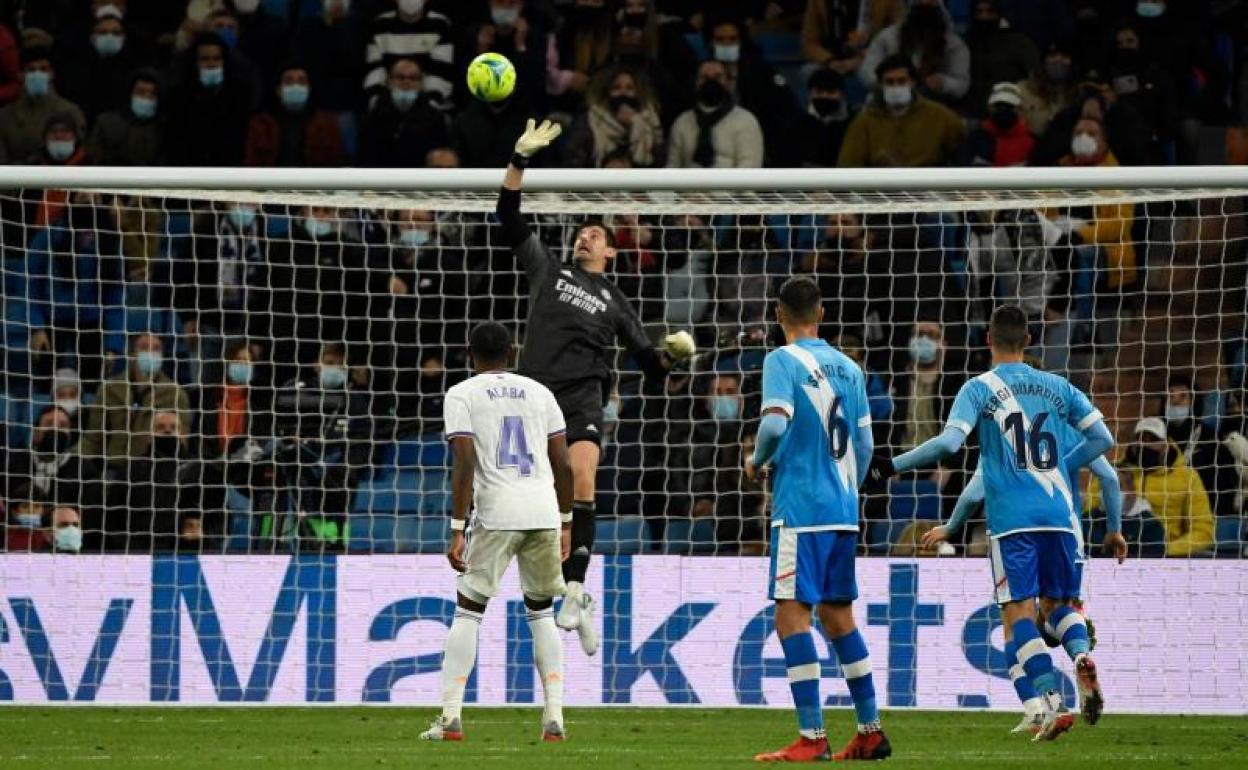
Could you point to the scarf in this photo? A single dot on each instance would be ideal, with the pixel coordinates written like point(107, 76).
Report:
point(610, 134)
point(232, 420)
point(704, 154)
point(238, 254)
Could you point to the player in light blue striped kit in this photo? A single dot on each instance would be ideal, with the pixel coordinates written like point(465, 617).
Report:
point(1032, 520)
point(816, 435)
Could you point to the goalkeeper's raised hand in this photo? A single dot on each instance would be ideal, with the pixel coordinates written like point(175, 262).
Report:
point(537, 137)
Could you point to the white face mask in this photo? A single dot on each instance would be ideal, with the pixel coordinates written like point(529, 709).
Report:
point(246, 6)
point(505, 17)
point(728, 53)
point(70, 405)
point(1083, 145)
point(1177, 412)
point(897, 97)
point(411, 7)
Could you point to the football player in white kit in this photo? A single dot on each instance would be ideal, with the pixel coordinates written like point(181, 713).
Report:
point(497, 424)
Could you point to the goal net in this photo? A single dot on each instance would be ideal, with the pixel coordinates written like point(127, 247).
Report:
point(222, 402)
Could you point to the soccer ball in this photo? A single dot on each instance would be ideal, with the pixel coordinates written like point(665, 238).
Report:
point(491, 77)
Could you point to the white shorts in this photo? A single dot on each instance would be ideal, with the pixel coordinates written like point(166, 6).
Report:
point(490, 552)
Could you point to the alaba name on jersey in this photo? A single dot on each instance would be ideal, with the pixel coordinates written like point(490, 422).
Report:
point(510, 419)
point(823, 392)
point(1019, 412)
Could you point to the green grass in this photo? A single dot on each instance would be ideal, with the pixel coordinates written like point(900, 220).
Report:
point(602, 738)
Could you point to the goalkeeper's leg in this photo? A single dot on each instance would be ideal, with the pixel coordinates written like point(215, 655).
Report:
point(577, 611)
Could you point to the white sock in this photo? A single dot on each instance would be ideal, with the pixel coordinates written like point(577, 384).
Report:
point(458, 659)
point(575, 591)
point(1033, 707)
point(548, 654)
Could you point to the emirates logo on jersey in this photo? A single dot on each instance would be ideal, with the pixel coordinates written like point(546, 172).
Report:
point(575, 296)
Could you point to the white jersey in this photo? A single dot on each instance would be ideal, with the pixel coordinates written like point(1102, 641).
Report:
point(510, 418)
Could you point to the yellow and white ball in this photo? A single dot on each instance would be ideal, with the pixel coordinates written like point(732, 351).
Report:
point(491, 77)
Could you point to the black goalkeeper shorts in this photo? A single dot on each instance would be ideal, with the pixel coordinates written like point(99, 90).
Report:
point(581, 404)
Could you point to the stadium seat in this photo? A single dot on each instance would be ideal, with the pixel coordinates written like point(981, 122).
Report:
point(909, 500)
point(688, 536)
point(1227, 535)
point(425, 535)
point(372, 533)
point(427, 450)
point(621, 535)
point(401, 493)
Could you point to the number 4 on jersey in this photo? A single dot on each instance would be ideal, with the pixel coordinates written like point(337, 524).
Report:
point(513, 447)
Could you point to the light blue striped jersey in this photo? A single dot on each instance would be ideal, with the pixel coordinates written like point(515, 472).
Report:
point(823, 392)
point(1019, 412)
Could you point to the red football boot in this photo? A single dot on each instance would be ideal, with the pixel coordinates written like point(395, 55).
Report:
point(866, 746)
point(801, 750)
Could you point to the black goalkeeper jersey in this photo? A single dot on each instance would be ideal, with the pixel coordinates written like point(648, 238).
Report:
point(575, 317)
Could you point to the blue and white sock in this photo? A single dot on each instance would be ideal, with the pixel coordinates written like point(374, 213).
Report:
point(1033, 655)
point(1032, 704)
point(851, 650)
point(1066, 624)
point(803, 666)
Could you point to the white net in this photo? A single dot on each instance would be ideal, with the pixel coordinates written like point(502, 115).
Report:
point(209, 377)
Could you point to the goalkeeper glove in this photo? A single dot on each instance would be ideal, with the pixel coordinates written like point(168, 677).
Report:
point(537, 137)
point(879, 473)
point(680, 345)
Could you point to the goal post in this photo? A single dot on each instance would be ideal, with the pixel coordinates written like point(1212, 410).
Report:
point(189, 323)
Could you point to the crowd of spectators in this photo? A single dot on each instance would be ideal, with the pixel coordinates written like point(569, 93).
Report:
point(182, 363)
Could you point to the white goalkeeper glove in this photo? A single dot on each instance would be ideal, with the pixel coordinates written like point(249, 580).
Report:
point(680, 345)
point(537, 137)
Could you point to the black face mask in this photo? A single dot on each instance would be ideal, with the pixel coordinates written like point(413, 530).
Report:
point(828, 108)
point(981, 27)
point(165, 446)
point(926, 17)
point(636, 20)
point(1150, 458)
point(616, 102)
point(1004, 119)
point(712, 93)
point(54, 442)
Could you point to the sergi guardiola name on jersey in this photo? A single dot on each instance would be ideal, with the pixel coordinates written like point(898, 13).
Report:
point(577, 297)
point(999, 398)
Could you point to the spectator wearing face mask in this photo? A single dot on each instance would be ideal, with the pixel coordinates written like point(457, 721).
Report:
point(898, 128)
point(147, 498)
point(293, 132)
point(320, 288)
point(53, 469)
point(1050, 88)
point(814, 138)
point(1002, 138)
point(67, 392)
point(1106, 227)
point(23, 529)
point(1124, 130)
point(332, 43)
point(1165, 486)
point(210, 108)
point(716, 133)
point(1141, 84)
point(622, 115)
point(96, 78)
point(118, 424)
point(718, 487)
point(753, 83)
point(238, 407)
point(1202, 447)
point(220, 281)
point(661, 58)
point(999, 53)
point(61, 147)
point(923, 393)
point(23, 123)
point(415, 31)
point(67, 530)
point(134, 133)
point(925, 37)
point(402, 126)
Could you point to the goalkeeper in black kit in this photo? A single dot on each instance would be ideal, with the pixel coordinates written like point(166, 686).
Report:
point(576, 315)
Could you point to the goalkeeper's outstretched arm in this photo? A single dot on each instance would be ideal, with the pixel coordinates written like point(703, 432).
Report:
point(533, 139)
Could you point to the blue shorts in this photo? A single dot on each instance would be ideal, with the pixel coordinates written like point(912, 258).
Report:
point(1029, 565)
point(813, 567)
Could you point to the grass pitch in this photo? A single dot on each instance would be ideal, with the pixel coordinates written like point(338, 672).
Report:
point(598, 738)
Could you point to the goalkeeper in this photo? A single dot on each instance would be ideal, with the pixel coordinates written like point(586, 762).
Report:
point(576, 314)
